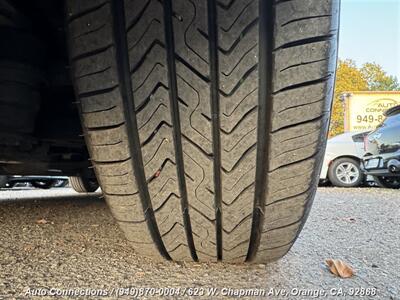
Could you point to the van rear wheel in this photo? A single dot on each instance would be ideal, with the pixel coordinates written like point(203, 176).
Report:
point(206, 121)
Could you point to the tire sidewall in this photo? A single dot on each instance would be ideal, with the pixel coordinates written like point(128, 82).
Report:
point(3, 181)
point(332, 172)
point(82, 184)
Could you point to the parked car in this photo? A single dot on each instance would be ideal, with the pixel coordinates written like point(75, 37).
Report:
point(81, 184)
point(42, 182)
point(382, 158)
point(343, 155)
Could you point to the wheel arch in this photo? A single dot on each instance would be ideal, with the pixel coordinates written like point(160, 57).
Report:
point(344, 156)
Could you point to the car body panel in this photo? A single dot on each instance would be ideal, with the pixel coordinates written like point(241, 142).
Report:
point(383, 145)
point(381, 168)
point(386, 137)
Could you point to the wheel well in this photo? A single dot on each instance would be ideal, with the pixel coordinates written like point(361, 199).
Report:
point(40, 130)
point(344, 156)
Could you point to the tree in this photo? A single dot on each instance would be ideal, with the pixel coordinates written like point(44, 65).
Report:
point(377, 78)
point(348, 78)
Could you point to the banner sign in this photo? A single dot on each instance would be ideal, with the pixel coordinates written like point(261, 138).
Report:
point(364, 110)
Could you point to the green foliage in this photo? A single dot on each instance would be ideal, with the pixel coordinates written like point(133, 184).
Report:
point(377, 79)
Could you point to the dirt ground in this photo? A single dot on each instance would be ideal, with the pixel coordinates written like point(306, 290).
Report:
point(77, 246)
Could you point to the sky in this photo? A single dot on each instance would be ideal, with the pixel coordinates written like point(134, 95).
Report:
point(370, 32)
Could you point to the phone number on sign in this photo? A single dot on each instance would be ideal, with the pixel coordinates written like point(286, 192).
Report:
point(369, 118)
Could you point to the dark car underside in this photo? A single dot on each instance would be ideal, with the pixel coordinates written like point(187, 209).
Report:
point(40, 132)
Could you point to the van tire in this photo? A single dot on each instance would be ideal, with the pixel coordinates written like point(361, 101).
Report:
point(206, 133)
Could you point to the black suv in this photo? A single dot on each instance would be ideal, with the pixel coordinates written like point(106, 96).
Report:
point(382, 159)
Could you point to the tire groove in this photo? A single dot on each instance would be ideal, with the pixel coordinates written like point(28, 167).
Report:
point(299, 105)
point(136, 20)
point(227, 74)
point(305, 18)
point(304, 84)
point(240, 102)
point(244, 117)
point(175, 118)
point(99, 110)
point(91, 53)
point(122, 60)
point(265, 109)
point(144, 32)
point(298, 123)
point(86, 11)
point(97, 92)
point(238, 195)
point(214, 98)
point(91, 31)
point(241, 158)
point(154, 132)
point(93, 73)
point(147, 99)
point(306, 41)
point(226, 29)
point(228, 51)
point(240, 82)
point(156, 152)
point(105, 127)
point(156, 42)
point(227, 6)
point(304, 64)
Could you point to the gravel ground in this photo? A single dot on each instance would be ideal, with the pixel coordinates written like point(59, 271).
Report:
point(80, 246)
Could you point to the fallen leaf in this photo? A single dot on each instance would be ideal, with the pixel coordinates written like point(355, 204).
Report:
point(339, 268)
point(139, 274)
point(41, 221)
point(28, 248)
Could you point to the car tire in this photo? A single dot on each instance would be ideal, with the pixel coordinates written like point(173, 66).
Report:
point(83, 184)
point(349, 165)
point(388, 182)
point(206, 133)
point(3, 181)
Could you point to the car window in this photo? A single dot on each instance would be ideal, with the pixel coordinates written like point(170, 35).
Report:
point(391, 121)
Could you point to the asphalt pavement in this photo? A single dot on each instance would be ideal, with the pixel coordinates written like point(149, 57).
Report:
point(59, 242)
